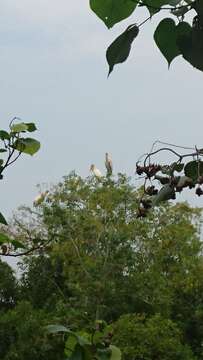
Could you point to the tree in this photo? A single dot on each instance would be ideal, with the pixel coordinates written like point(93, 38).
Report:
point(101, 261)
point(8, 287)
point(173, 37)
point(150, 338)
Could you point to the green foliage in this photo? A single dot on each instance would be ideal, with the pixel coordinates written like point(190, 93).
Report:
point(23, 336)
point(8, 287)
point(173, 38)
point(88, 345)
point(143, 277)
point(12, 145)
point(157, 338)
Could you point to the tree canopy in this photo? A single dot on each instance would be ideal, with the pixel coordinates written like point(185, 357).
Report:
point(104, 279)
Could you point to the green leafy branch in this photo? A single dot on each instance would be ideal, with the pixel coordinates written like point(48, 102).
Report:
point(173, 38)
point(92, 345)
point(13, 144)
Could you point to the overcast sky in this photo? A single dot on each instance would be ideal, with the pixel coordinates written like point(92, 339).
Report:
point(53, 72)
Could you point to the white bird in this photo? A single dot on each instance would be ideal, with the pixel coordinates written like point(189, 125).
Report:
point(40, 198)
point(95, 171)
point(108, 164)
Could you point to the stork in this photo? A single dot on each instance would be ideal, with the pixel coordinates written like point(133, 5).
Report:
point(96, 172)
point(108, 164)
point(40, 198)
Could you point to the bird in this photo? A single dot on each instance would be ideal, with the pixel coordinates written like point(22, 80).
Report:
point(40, 198)
point(108, 164)
point(96, 172)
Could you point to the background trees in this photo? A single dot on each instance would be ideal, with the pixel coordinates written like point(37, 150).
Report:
point(143, 277)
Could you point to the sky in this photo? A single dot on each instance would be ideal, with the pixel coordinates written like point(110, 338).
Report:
point(53, 72)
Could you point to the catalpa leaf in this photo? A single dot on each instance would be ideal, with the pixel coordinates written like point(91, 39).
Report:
point(119, 50)
point(165, 37)
point(113, 11)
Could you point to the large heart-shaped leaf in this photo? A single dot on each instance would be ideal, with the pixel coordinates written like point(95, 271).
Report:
point(165, 37)
point(113, 11)
point(119, 50)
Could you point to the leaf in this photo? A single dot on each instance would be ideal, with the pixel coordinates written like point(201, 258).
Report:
point(77, 354)
point(119, 50)
point(174, 2)
point(115, 353)
point(54, 329)
point(31, 127)
point(27, 145)
point(177, 167)
point(166, 193)
point(3, 150)
point(154, 6)
point(17, 244)
point(191, 46)
point(4, 135)
point(17, 128)
point(165, 37)
point(4, 239)
point(113, 11)
point(194, 169)
point(2, 219)
point(70, 345)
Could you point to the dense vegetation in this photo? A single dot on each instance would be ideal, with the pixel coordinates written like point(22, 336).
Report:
point(104, 278)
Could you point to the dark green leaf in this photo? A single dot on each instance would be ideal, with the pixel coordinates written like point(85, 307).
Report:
point(113, 11)
point(177, 167)
point(31, 127)
point(4, 135)
point(2, 219)
point(194, 169)
point(119, 50)
point(154, 6)
point(3, 150)
point(165, 37)
point(27, 145)
point(191, 45)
